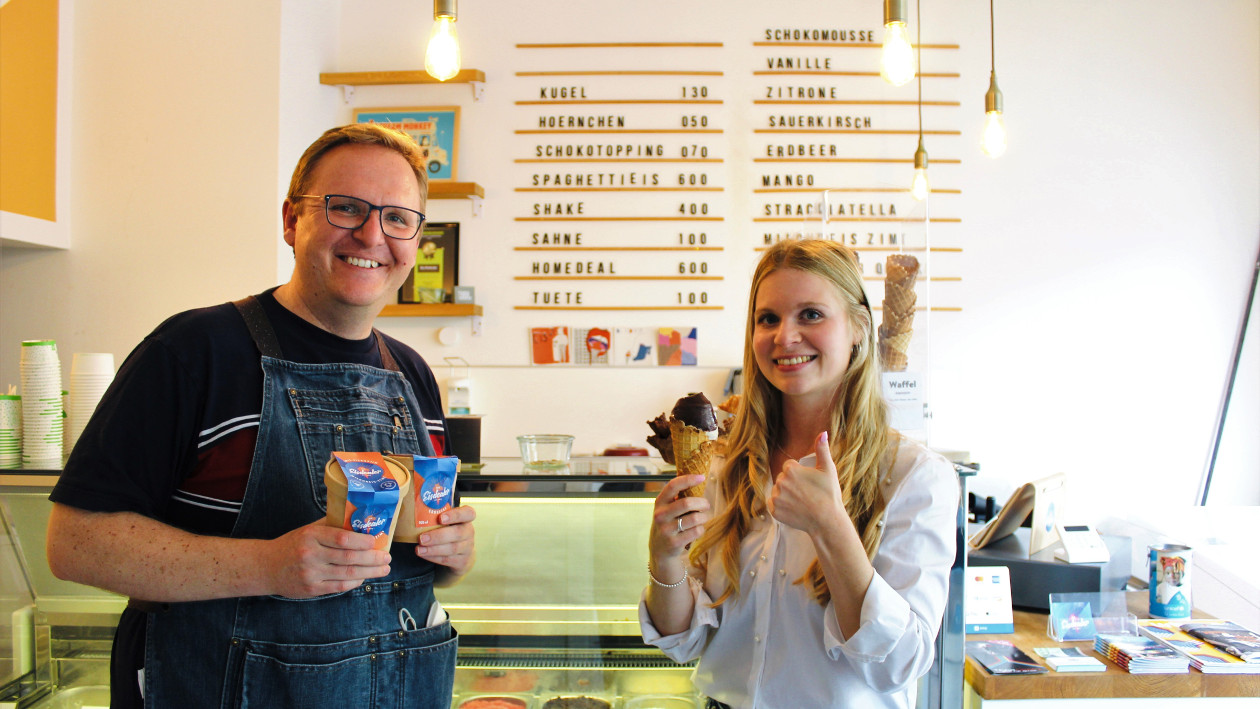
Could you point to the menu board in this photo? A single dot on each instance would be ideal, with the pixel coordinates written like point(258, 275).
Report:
point(648, 175)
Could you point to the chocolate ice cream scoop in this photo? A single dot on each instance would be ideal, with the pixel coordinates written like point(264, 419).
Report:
point(696, 411)
point(660, 438)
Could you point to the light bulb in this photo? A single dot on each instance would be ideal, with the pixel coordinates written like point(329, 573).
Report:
point(441, 59)
point(897, 62)
point(919, 188)
point(993, 138)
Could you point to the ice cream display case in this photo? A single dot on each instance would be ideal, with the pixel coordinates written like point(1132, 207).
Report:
point(548, 618)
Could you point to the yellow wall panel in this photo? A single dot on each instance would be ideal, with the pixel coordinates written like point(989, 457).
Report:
point(28, 108)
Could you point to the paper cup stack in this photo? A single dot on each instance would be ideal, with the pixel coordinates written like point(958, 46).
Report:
point(90, 375)
point(900, 271)
point(10, 431)
point(43, 418)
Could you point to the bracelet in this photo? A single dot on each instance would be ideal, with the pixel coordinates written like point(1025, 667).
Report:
point(676, 584)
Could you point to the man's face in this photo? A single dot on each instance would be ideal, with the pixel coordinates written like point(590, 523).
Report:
point(338, 268)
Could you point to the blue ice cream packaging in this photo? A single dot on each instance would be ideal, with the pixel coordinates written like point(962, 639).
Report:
point(366, 494)
point(432, 493)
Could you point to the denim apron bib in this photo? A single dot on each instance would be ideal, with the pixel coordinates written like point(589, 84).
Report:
point(358, 648)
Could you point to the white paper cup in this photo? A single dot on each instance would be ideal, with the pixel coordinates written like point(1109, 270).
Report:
point(92, 363)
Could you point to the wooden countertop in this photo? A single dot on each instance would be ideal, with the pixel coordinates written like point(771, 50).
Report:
point(1030, 632)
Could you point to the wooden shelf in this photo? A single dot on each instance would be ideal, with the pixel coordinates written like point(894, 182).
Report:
point(380, 78)
point(347, 80)
point(430, 310)
point(445, 189)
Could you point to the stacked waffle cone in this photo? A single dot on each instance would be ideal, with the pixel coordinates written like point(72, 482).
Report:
point(693, 452)
point(900, 271)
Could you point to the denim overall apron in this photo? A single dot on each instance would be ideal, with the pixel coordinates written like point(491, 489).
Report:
point(358, 648)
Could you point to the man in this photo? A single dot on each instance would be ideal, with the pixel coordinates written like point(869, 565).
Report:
point(197, 488)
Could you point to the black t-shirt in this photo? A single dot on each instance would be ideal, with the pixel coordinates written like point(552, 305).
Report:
point(173, 437)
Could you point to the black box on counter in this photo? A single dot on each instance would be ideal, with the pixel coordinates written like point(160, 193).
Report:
point(1034, 578)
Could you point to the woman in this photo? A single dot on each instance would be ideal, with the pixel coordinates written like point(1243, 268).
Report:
point(819, 585)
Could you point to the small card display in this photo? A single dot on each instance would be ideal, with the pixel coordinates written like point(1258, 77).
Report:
point(988, 607)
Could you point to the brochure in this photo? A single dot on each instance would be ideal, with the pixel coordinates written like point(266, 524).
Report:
point(1070, 659)
point(1002, 658)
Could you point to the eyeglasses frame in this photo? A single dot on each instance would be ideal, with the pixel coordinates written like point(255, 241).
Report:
point(380, 213)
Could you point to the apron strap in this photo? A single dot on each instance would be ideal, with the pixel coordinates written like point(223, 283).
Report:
point(259, 326)
point(387, 359)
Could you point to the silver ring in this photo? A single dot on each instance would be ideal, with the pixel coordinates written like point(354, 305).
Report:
point(680, 529)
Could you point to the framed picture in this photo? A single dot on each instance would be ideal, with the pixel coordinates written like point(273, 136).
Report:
point(37, 72)
point(436, 273)
point(434, 128)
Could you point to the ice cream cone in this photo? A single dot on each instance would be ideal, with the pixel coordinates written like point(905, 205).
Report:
point(893, 360)
point(900, 267)
point(899, 341)
point(693, 452)
point(900, 300)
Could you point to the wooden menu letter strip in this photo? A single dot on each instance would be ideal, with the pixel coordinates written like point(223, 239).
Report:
point(618, 278)
point(839, 102)
point(859, 219)
point(848, 45)
point(619, 248)
point(618, 307)
point(627, 219)
point(629, 101)
point(620, 72)
point(623, 189)
point(634, 160)
point(773, 72)
point(620, 131)
point(851, 131)
point(889, 161)
point(614, 45)
point(849, 189)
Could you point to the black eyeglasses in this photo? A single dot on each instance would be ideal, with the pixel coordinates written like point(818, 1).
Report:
point(348, 212)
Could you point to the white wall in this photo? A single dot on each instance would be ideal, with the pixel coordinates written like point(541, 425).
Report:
point(1106, 254)
point(173, 177)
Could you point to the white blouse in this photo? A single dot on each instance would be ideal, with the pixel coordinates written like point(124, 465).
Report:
point(774, 646)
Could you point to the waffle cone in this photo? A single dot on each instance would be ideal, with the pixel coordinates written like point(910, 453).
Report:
point(693, 452)
point(893, 360)
point(900, 300)
point(901, 267)
point(899, 341)
point(896, 321)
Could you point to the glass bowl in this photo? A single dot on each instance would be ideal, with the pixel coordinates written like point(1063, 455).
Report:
point(545, 450)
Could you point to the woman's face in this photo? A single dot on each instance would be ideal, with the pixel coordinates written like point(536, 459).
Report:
point(801, 336)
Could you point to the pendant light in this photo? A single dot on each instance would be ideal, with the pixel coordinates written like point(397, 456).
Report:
point(993, 137)
point(441, 59)
point(896, 64)
point(920, 188)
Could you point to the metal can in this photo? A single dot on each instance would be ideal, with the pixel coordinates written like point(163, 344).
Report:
point(1170, 581)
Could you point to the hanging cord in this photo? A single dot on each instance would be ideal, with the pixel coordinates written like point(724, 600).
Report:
point(992, 58)
point(918, 50)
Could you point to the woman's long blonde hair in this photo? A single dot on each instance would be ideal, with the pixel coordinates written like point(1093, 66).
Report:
point(858, 431)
